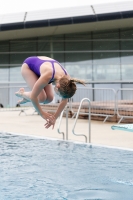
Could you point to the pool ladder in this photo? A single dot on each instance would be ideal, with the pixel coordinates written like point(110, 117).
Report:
point(87, 139)
point(59, 124)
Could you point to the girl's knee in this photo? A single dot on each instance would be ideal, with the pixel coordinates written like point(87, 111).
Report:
point(50, 99)
point(45, 99)
point(42, 98)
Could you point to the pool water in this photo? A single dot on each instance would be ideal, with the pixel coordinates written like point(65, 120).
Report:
point(41, 169)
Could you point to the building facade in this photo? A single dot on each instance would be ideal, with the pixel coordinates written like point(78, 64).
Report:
point(95, 45)
point(94, 56)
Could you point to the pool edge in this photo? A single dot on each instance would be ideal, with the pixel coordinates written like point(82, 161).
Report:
point(69, 141)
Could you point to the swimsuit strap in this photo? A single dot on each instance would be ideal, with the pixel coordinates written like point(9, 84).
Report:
point(61, 66)
point(52, 61)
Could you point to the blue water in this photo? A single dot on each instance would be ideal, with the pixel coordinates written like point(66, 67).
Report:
point(42, 169)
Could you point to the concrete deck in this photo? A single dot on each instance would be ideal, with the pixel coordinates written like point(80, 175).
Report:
point(101, 133)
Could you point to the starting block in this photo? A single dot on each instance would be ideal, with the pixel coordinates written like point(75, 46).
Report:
point(125, 127)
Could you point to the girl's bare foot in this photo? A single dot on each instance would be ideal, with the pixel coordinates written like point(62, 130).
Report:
point(20, 92)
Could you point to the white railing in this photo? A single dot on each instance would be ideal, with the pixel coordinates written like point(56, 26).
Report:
point(103, 101)
point(87, 138)
point(9, 101)
point(124, 103)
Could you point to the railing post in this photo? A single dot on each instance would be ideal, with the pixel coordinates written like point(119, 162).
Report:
point(89, 116)
point(58, 129)
point(66, 122)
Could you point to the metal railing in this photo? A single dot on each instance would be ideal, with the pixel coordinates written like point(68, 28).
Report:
point(59, 123)
point(9, 101)
point(75, 122)
point(89, 120)
point(124, 103)
point(121, 103)
point(103, 101)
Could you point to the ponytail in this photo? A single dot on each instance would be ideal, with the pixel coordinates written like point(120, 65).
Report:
point(75, 80)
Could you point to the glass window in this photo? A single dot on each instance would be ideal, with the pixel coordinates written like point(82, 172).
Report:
point(106, 45)
point(57, 37)
point(15, 74)
point(4, 58)
point(4, 73)
point(23, 45)
point(58, 51)
point(4, 46)
point(4, 61)
point(78, 42)
point(45, 54)
point(60, 57)
point(106, 58)
point(99, 55)
point(78, 36)
point(127, 72)
point(106, 72)
point(105, 41)
point(110, 34)
point(4, 53)
point(127, 54)
point(78, 57)
point(126, 34)
point(127, 46)
point(79, 65)
point(81, 71)
point(126, 58)
point(21, 50)
point(43, 44)
point(58, 46)
point(77, 45)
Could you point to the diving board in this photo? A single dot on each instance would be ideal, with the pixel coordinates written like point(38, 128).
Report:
point(125, 127)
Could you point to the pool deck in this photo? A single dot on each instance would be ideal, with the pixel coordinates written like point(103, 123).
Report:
point(33, 124)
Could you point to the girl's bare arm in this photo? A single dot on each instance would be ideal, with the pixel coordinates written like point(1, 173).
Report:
point(60, 108)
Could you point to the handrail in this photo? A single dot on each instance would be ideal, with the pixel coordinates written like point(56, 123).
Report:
point(104, 104)
point(60, 119)
point(58, 129)
point(89, 118)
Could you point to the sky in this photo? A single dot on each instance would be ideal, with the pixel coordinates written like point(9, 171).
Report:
point(16, 6)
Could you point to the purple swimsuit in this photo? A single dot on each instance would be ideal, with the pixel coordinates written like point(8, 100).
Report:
point(34, 64)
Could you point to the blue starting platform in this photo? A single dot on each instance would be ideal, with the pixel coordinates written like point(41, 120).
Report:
point(123, 127)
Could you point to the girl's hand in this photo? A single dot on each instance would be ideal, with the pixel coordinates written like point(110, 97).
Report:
point(50, 119)
point(48, 124)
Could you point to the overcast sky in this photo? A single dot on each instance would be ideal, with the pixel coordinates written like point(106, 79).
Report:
point(15, 6)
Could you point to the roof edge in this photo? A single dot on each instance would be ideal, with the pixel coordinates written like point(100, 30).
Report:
point(66, 21)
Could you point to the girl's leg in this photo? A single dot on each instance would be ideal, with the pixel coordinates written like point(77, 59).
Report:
point(30, 77)
point(19, 94)
point(49, 93)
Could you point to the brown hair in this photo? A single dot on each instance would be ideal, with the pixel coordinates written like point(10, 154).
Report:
point(68, 87)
